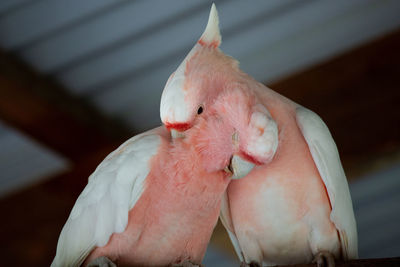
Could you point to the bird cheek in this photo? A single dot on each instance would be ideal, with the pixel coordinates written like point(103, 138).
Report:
point(262, 141)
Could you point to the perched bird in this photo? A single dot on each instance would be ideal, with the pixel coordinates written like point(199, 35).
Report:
point(155, 200)
point(295, 206)
point(152, 202)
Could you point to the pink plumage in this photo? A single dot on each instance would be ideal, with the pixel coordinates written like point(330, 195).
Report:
point(155, 200)
point(152, 202)
point(178, 209)
point(296, 205)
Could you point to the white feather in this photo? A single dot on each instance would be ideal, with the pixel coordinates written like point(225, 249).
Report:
point(212, 34)
point(226, 220)
point(103, 206)
point(326, 157)
point(174, 107)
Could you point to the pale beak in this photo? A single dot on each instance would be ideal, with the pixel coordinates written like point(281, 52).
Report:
point(177, 134)
point(238, 167)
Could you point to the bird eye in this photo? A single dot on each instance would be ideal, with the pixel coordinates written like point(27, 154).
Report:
point(200, 110)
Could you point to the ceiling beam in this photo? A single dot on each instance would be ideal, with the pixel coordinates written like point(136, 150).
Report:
point(357, 95)
point(33, 218)
point(41, 108)
point(358, 263)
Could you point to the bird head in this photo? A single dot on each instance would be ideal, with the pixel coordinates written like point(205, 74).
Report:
point(186, 92)
point(209, 84)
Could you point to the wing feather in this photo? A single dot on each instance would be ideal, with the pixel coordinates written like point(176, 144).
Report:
point(226, 220)
point(103, 206)
point(326, 157)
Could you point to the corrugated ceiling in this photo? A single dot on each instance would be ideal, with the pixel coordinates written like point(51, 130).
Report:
point(118, 54)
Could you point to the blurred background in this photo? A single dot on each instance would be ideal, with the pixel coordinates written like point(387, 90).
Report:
point(77, 78)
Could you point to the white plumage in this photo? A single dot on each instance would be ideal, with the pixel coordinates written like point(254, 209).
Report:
point(326, 158)
point(102, 207)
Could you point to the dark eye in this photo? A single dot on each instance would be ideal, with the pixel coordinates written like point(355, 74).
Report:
point(200, 110)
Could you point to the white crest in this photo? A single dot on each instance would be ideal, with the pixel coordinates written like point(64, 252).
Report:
point(173, 106)
point(211, 35)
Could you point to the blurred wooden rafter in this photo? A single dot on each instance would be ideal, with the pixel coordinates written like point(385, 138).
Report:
point(41, 108)
point(357, 94)
point(389, 262)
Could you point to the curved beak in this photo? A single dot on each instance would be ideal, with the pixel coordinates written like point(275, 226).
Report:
point(239, 167)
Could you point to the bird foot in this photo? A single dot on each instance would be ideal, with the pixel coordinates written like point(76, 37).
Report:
point(324, 259)
point(102, 262)
point(251, 264)
point(187, 263)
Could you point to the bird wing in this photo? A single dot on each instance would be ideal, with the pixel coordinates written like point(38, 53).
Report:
point(103, 206)
point(326, 157)
point(226, 220)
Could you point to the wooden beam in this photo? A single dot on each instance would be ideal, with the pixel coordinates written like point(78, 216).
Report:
point(32, 219)
point(359, 263)
point(357, 94)
point(41, 108)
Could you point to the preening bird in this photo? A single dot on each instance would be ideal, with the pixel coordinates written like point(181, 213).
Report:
point(295, 206)
point(152, 202)
point(155, 200)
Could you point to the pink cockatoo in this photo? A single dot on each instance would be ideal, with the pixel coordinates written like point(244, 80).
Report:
point(155, 200)
point(295, 206)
